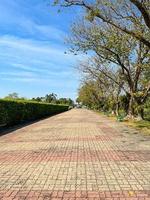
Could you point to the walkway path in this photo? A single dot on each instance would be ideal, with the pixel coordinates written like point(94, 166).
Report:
point(76, 155)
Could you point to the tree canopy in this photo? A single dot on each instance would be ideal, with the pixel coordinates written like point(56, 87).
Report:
point(125, 15)
point(118, 33)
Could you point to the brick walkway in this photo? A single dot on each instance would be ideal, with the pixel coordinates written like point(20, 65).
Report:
point(76, 155)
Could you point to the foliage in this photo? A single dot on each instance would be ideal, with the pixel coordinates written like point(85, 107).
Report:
point(52, 98)
point(48, 98)
point(65, 101)
point(118, 34)
point(121, 59)
point(14, 96)
point(95, 97)
point(17, 111)
point(131, 17)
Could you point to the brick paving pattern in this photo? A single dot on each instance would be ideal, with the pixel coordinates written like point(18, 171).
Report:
point(76, 155)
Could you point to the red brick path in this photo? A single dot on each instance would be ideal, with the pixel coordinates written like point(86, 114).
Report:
point(76, 155)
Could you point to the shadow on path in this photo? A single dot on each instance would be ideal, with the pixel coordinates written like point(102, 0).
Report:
point(6, 130)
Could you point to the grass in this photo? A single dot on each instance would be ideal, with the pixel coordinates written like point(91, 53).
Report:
point(142, 126)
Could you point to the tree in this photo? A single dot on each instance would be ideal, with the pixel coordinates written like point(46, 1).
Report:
point(66, 101)
point(131, 17)
point(38, 99)
point(88, 95)
point(51, 98)
point(105, 88)
point(143, 7)
point(118, 52)
point(118, 32)
point(13, 95)
point(93, 96)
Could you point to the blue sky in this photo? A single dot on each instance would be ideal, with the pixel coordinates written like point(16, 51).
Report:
point(32, 58)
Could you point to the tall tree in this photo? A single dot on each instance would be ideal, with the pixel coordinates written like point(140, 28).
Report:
point(118, 52)
point(51, 98)
point(106, 83)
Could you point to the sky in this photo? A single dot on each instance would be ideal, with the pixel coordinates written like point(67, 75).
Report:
point(32, 50)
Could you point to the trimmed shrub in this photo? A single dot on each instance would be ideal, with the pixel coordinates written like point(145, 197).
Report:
point(17, 111)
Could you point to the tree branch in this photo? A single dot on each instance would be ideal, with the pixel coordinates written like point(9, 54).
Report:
point(143, 11)
point(107, 20)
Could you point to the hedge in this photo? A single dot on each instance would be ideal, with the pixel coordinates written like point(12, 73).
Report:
point(13, 112)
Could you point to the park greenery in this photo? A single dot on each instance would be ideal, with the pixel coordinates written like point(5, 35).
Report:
point(15, 111)
point(48, 98)
point(116, 36)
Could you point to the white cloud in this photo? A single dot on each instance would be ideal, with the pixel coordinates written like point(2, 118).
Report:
point(41, 31)
point(34, 46)
point(17, 15)
point(31, 60)
point(19, 79)
point(23, 74)
point(28, 63)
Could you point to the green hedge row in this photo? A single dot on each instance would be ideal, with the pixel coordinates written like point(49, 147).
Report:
point(14, 112)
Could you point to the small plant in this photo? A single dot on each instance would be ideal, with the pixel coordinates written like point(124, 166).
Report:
point(120, 118)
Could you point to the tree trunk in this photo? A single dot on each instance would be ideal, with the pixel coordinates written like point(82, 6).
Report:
point(130, 114)
point(117, 108)
point(113, 112)
point(141, 114)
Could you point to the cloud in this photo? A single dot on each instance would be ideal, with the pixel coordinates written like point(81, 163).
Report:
point(16, 74)
point(36, 51)
point(43, 32)
point(32, 58)
point(31, 29)
point(35, 61)
point(19, 79)
point(34, 46)
point(22, 22)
